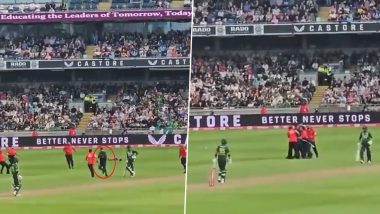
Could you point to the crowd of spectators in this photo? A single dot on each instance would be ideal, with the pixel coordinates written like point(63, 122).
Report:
point(44, 47)
point(348, 11)
point(44, 107)
point(47, 107)
point(161, 106)
point(171, 44)
point(363, 86)
point(134, 4)
point(31, 7)
point(254, 11)
point(249, 81)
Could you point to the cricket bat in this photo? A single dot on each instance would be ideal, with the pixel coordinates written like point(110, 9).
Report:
point(357, 157)
point(211, 178)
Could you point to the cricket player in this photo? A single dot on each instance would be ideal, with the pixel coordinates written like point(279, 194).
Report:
point(11, 155)
point(3, 163)
point(15, 176)
point(91, 159)
point(292, 143)
point(311, 138)
point(131, 156)
point(365, 140)
point(222, 155)
point(182, 156)
point(68, 150)
point(103, 161)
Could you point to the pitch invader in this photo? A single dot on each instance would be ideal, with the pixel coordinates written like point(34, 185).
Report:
point(365, 142)
point(131, 157)
point(222, 156)
point(312, 133)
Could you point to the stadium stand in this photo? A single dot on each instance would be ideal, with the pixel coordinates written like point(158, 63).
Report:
point(46, 107)
point(172, 44)
point(231, 82)
point(46, 47)
point(241, 11)
point(273, 79)
point(143, 106)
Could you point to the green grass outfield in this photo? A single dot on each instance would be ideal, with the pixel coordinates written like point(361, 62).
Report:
point(261, 180)
point(50, 187)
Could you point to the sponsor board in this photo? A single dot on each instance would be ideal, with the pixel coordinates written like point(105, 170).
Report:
point(236, 121)
point(180, 62)
point(287, 29)
point(95, 140)
point(204, 31)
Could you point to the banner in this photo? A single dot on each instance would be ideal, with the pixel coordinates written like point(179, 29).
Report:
point(95, 140)
point(182, 62)
point(235, 121)
point(239, 30)
point(204, 31)
point(95, 16)
point(288, 29)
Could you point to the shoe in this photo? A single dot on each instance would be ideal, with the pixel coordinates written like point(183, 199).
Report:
point(362, 161)
point(222, 181)
point(15, 193)
point(368, 161)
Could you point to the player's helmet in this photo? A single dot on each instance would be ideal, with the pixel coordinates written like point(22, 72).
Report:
point(128, 147)
point(365, 128)
point(224, 141)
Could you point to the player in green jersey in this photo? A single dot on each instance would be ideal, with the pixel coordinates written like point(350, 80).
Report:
point(365, 140)
point(131, 156)
point(16, 184)
point(222, 156)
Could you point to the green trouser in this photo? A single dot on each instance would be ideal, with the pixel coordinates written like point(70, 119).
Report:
point(222, 162)
point(16, 182)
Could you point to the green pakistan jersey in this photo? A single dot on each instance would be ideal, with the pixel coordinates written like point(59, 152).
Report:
point(222, 151)
point(365, 137)
point(131, 155)
point(14, 168)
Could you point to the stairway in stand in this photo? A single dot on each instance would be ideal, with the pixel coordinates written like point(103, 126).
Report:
point(104, 5)
point(324, 13)
point(317, 97)
point(85, 120)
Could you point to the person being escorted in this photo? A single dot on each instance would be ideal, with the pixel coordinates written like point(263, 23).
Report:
point(305, 145)
point(131, 157)
point(311, 138)
point(3, 163)
point(292, 143)
point(103, 161)
point(222, 156)
point(365, 140)
point(182, 156)
point(68, 150)
point(91, 159)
